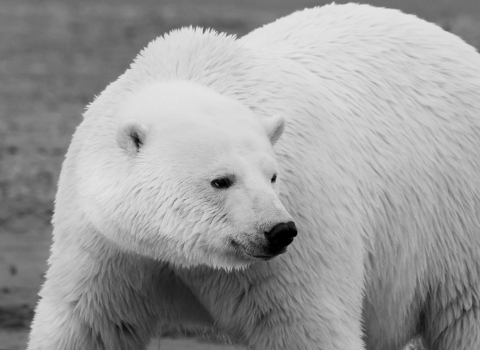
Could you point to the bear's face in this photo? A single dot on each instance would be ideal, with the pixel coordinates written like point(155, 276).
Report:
point(197, 180)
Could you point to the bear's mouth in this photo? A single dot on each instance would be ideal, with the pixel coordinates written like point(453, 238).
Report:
point(252, 253)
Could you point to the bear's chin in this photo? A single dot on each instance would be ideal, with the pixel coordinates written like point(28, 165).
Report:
point(231, 255)
point(222, 260)
point(235, 258)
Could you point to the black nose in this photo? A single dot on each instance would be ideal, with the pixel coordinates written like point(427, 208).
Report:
point(281, 235)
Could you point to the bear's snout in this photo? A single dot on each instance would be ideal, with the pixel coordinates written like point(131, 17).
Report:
point(280, 236)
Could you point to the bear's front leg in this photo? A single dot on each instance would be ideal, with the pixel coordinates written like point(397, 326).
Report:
point(287, 303)
point(96, 299)
point(105, 299)
point(310, 312)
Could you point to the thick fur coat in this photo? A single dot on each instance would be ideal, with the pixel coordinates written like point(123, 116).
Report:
point(378, 166)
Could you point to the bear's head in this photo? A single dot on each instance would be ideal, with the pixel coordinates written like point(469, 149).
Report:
point(188, 176)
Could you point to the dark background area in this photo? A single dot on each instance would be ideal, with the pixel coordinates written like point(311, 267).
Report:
point(55, 56)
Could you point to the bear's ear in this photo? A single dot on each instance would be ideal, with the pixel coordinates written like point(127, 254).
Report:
point(131, 136)
point(274, 127)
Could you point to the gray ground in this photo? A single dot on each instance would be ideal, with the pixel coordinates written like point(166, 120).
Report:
point(54, 57)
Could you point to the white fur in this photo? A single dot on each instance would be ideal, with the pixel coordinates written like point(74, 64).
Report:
point(378, 165)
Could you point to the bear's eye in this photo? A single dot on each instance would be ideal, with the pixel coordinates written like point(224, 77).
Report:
point(221, 183)
point(274, 178)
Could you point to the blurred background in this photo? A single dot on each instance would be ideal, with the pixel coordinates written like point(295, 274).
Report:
point(55, 56)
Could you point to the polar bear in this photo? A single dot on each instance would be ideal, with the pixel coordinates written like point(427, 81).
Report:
point(312, 185)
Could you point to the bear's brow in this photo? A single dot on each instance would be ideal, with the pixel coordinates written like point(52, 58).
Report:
point(223, 174)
